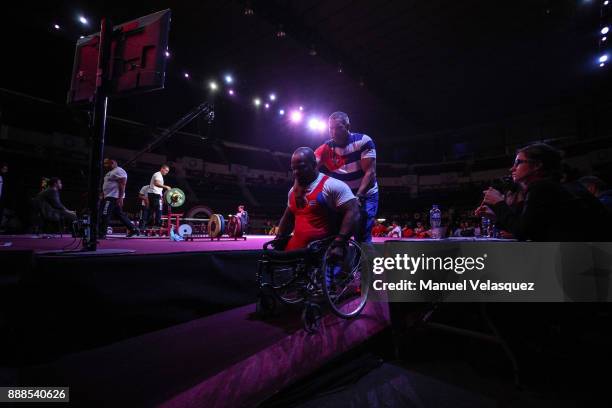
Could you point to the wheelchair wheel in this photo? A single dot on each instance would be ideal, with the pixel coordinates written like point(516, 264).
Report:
point(311, 317)
point(346, 284)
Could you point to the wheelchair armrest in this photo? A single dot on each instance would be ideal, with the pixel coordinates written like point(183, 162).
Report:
point(277, 244)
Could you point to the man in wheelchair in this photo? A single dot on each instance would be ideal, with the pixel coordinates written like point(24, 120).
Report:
point(318, 207)
point(319, 261)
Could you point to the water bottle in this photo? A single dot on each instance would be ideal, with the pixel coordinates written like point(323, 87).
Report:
point(435, 220)
point(485, 227)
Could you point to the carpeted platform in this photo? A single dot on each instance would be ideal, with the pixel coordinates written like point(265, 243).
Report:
point(230, 359)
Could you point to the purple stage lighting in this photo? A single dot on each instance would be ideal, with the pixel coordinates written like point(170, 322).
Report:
point(186, 75)
point(605, 30)
point(231, 92)
point(267, 105)
point(56, 26)
point(296, 116)
point(281, 112)
point(229, 79)
point(83, 20)
point(317, 125)
point(272, 97)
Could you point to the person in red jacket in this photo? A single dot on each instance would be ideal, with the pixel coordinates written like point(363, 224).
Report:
point(318, 206)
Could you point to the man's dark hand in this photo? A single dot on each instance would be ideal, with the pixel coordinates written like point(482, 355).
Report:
point(337, 251)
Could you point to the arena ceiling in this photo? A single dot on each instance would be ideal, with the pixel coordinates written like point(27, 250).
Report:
point(408, 67)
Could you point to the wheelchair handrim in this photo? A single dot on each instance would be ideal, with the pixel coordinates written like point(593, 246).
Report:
point(356, 304)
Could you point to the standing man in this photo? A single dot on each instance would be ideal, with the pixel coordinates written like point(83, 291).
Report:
point(113, 191)
point(156, 189)
point(351, 157)
point(244, 218)
point(143, 202)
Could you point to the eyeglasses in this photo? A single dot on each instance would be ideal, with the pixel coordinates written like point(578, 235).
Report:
point(518, 162)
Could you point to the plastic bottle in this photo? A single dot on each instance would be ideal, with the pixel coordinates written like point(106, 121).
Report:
point(485, 227)
point(435, 220)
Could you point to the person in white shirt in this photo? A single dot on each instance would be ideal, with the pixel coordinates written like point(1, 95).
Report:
point(156, 189)
point(113, 192)
point(143, 202)
point(396, 231)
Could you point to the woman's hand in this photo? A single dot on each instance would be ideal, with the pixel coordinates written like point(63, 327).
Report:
point(492, 197)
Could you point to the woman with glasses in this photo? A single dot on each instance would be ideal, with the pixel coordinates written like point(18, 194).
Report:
point(551, 211)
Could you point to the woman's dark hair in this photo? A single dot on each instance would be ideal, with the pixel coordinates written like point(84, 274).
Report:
point(548, 157)
point(52, 181)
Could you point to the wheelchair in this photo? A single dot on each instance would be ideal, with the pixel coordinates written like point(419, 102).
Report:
point(311, 278)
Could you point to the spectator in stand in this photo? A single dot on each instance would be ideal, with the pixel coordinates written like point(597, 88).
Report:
point(268, 227)
point(420, 231)
point(396, 230)
point(407, 232)
point(461, 229)
point(379, 229)
point(597, 187)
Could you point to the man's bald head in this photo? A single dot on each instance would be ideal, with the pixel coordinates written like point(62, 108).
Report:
point(109, 164)
point(307, 153)
point(304, 165)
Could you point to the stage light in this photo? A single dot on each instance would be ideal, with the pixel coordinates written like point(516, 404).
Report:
point(272, 97)
point(604, 38)
point(82, 36)
point(602, 64)
point(603, 58)
point(280, 33)
point(167, 53)
point(56, 26)
point(301, 108)
point(605, 30)
point(257, 101)
point(213, 86)
point(186, 75)
point(83, 20)
point(606, 3)
point(317, 125)
point(296, 116)
point(267, 106)
point(281, 112)
point(229, 79)
point(231, 92)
